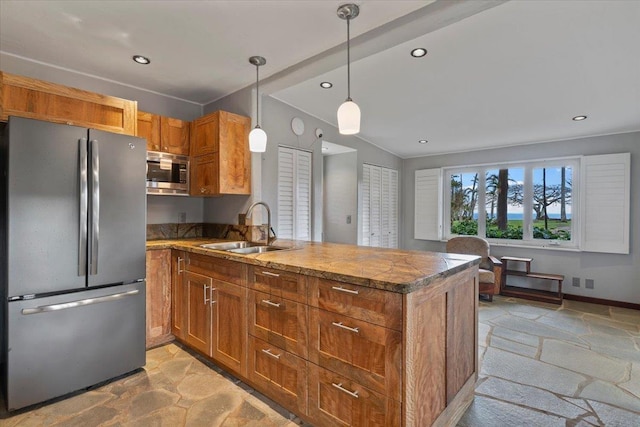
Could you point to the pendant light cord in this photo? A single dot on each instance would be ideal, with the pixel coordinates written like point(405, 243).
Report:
point(257, 96)
point(348, 62)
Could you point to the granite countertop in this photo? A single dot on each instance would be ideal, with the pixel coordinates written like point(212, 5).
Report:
point(393, 270)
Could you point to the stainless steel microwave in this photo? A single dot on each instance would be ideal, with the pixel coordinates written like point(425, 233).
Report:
point(167, 174)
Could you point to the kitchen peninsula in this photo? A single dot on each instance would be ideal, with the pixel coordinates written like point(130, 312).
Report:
point(337, 334)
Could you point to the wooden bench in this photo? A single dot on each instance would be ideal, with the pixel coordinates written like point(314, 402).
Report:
point(528, 293)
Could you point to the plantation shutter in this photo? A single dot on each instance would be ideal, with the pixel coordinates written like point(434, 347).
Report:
point(294, 194)
point(428, 204)
point(606, 182)
point(379, 206)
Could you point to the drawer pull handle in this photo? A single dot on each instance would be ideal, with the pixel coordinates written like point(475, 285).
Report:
point(180, 270)
point(211, 289)
point(271, 303)
point(268, 351)
point(348, 328)
point(341, 289)
point(268, 273)
point(349, 392)
point(206, 300)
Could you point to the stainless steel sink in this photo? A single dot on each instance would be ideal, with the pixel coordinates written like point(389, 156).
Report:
point(225, 246)
point(255, 249)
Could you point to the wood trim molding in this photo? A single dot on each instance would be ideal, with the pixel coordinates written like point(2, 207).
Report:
point(601, 301)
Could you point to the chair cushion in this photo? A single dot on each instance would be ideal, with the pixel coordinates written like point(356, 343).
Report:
point(486, 276)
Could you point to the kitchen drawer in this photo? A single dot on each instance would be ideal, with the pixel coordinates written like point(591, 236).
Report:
point(279, 283)
point(216, 268)
point(279, 321)
point(376, 306)
point(337, 400)
point(366, 353)
point(279, 374)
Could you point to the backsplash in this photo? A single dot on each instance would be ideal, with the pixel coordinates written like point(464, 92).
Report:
point(215, 231)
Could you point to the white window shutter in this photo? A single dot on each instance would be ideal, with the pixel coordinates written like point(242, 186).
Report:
point(375, 208)
point(294, 194)
point(366, 205)
point(303, 196)
point(606, 182)
point(428, 204)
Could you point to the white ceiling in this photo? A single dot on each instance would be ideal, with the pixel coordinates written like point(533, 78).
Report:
point(512, 74)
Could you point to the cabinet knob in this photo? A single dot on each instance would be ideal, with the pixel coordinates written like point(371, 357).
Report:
point(203, 190)
point(166, 148)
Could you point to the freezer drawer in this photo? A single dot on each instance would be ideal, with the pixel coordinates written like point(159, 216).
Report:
point(64, 343)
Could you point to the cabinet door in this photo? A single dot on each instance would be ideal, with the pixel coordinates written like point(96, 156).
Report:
point(366, 353)
point(198, 332)
point(149, 128)
point(174, 136)
point(205, 134)
point(228, 325)
point(279, 374)
point(158, 297)
point(234, 154)
point(335, 400)
point(204, 175)
point(178, 296)
point(280, 322)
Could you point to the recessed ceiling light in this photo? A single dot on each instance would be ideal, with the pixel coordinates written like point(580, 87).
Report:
point(141, 59)
point(579, 118)
point(326, 85)
point(418, 52)
point(422, 141)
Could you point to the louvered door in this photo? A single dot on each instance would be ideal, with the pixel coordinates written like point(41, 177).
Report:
point(294, 193)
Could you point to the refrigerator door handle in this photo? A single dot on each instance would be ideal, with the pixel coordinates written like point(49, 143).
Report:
point(95, 207)
point(82, 235)
point(74, 304)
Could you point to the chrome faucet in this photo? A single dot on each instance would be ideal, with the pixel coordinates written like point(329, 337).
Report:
point(248, 215)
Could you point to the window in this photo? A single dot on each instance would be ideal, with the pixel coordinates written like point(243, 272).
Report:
point(294, 194)
point(528, 203)
point(579, 203)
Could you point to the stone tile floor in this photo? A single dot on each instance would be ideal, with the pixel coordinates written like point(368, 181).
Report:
point(547, 365)
point(541, 365)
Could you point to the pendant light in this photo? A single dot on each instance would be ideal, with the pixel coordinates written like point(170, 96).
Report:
point(257, 137)
point(348, 112)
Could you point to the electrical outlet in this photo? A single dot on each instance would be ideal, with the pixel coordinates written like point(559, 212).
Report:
point(242, 219)
point(588, 283)
point(182, 217)
point(348, 219)
point(576, 282)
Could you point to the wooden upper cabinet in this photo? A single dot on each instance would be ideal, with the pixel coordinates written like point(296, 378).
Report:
point(221, 160)
point(164, 134)
point(149, 128)
point(38, 99)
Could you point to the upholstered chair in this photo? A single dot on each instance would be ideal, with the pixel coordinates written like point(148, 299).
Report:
point(490, 267)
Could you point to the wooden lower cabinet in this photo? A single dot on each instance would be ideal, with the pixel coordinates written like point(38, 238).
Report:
point(178, 296)
point(279, 374)
point(198, 315)
point(228, 325)
point(158, 297)
point(280, 322)
point(370, 354)
point(336, 400)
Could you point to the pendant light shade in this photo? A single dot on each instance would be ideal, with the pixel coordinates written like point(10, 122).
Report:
point(348, 112)
point(258, 140)
point(257, 137)
point(349, 118)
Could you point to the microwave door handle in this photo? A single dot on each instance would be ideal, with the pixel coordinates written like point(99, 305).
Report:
point(95, 208)
point(82, 235)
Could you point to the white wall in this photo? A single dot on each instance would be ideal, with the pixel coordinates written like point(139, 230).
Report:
point(340, 198)
point(616, 277)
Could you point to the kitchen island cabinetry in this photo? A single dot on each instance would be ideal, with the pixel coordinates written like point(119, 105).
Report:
point(158, 306)
point(220, 157)
point(37, 99)
point(164, 134)
point(344, 335)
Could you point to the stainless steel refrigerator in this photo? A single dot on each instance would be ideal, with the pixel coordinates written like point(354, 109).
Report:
point(73, 255)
